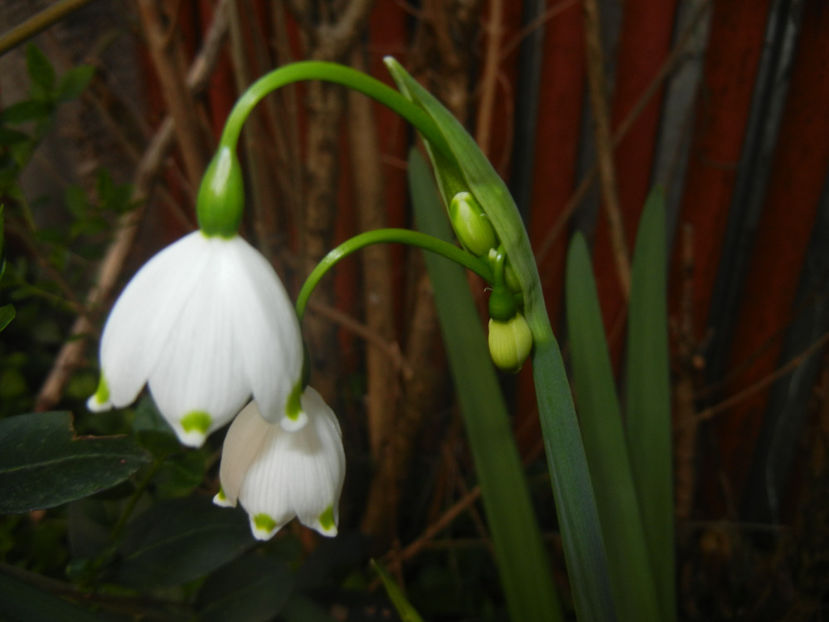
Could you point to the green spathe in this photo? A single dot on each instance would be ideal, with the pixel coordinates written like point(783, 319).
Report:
point(221, 195)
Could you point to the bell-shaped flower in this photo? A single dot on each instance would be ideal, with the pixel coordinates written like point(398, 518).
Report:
point(206, 324)
point(277, 474)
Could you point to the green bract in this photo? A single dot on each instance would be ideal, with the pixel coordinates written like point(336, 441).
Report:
point(221, 195)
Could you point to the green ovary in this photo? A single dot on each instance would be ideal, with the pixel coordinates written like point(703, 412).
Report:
point(196, 421)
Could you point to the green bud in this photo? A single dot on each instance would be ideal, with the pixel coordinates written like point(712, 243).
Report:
point(510, 342)
point(471, 224)
point(221, 196)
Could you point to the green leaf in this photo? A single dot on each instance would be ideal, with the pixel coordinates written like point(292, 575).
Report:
point(567, 463)
point(42, 465)
point(631, 576)
point(74, 82)
point(28, 110)
point(519, 549)
point(6, 316)
point(41, 72)
point(249, 589)
point(648, 404)
point(300, 608)
point(20, 601)
point(404, 608)
point(180, 540)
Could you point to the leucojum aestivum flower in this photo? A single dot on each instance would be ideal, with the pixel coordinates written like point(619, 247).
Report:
point(208, 327)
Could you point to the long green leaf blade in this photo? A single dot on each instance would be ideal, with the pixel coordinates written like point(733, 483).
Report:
point(567, 463)
point(604, 441)
point(521, 555)
point(648, 403)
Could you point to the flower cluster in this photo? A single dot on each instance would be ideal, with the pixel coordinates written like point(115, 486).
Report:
point(207, 325)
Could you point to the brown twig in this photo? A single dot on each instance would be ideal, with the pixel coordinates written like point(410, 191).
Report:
point(71, 354)
point(604, 143)
point(621, 131)
point(489, 75)
point(167, 61)
point(790, 366)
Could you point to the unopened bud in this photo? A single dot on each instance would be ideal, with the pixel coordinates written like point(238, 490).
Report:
point(510, 342)
point(471, 224)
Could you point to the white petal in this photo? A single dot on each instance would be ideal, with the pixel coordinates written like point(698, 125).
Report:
point(142, 317)
point(198, 370)
point(267, 332)
point(297, 473)
point(242, 443)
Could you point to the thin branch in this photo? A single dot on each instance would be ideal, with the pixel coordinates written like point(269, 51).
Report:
point(489, 78)
point(38, 23)
point(167, 62)
point(738, 397)
point(586, 183)
point(604, 143)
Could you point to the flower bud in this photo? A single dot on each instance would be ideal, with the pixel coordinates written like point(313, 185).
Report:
point(510, 342)
point(471, 224)
point(221, 195)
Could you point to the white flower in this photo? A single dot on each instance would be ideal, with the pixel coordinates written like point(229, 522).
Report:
point(278, 474)
point(207, 324)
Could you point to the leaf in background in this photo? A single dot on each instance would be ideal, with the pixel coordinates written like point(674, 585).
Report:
point(22, 602)
point(41, 72)
point(180, 540)
point(631, 576)
point(648, 404)
point(253, 588)
point(74, 82)
point(6, 316)
point(42, 465)
point(404, 608)
point(569, 474)
point(522, 558)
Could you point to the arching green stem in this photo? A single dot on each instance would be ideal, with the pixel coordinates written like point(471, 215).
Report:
point(378, 236)
point(337, 74)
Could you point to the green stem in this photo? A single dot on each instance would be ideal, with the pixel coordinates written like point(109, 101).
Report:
point(378, 236)
point(337, 74)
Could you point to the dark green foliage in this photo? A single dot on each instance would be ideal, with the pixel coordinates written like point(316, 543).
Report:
point(42, 465)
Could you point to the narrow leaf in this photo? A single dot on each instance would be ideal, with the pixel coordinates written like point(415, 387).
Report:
point(569, 473)
point(520, 552)
point(648, 405)
point(42, 465)
point(404, 608)
point(631, 577)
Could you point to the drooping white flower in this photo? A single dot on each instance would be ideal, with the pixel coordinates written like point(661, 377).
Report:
point(278, 474)
point(206, 324)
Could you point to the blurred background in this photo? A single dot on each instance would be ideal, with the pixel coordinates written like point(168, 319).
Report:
point(582, 106)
